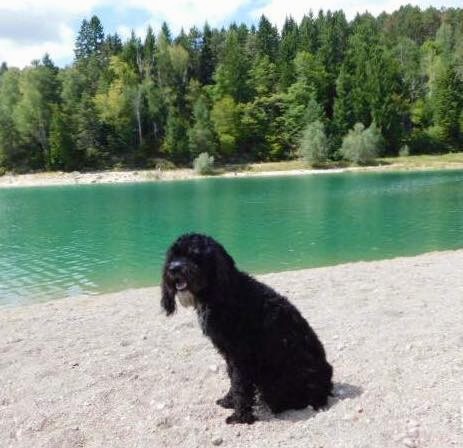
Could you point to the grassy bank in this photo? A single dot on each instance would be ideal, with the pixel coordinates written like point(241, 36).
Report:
point(450, 160)
point(289, 167)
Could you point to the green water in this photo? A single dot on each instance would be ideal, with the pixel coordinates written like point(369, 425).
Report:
point(67, 241)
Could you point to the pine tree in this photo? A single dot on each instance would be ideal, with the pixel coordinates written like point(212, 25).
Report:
point(263, 76)
point(61, 145)
point(232, 74)
point(175, 143)
point(202, 137)
point(447, 105)
point(225, 116)
point(308, 35)
point(313, 145)
point(165, 33)
point(90, 38)
point(267, 39)
point(288, 50)
point(207, 58)
point(149, 53)
point(13, 154)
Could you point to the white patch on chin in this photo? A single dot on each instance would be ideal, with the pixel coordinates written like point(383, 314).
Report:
point(186, 298)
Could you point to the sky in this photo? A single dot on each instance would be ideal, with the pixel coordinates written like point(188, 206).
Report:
point(31, 28)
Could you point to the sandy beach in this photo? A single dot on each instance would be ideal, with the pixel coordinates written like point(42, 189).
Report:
point(133, 176)
point(112, 371)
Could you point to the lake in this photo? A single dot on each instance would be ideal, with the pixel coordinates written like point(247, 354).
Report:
point(67, 241)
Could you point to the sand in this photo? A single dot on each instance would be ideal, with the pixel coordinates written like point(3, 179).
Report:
point(112, 371)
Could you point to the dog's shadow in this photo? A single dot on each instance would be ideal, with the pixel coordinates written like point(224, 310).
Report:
point(341, 391)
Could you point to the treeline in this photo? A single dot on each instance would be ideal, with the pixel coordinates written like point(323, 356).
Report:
point(240, 94)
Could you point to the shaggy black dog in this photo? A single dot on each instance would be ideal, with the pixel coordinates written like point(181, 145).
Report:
point(268, 346)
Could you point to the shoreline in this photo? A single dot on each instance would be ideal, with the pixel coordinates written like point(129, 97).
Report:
point(59, 178)
point(112, 370)
point(261, 275)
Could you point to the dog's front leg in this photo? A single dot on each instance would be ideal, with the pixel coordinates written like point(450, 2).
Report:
point(227, 400)
point(242, 388)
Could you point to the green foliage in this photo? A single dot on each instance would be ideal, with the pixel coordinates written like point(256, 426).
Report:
point(61, 144)
point(225, 116)
point(313, 146)
point(12, 151)
point(288, 49)
point(202, 137)
point(267, 39)
point(362, 145)
point(263, 76)
point(447, 99)
point(176, 139)
point(239, 93)
point(204, 164)
point(89, 39)
point(232, 74)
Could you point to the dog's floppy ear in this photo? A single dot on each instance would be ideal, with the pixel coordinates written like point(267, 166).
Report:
point(225, 267)
point(168, 294)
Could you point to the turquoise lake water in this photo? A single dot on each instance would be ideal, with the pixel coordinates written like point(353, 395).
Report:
point(60, 242)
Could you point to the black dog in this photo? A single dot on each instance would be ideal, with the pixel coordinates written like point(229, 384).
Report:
point(268, 346)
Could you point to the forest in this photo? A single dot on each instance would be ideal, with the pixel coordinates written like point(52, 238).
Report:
point(241, 93)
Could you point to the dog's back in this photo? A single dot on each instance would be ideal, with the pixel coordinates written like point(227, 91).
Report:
point(285, 356)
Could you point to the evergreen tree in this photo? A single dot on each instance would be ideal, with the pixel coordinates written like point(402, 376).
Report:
point(61, 145)
point(263, 76)
point(149, 53)
point(447, 105)
point(176, 139)
point(313, 146)
point(32, 114)
point(207, 59)
point(13, 153)
point(288, 50)
point(368, 85)
point(165, 33)
point(308, 35)
point(145, 98)
point(267, 39)
point(202, 137)
point(90, 38)
point(232, 74)
point(225, 116)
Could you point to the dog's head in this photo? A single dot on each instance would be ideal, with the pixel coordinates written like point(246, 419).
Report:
point(196, 267)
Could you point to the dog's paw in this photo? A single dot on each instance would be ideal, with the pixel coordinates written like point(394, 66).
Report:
point(226, 402)
point(241, 418)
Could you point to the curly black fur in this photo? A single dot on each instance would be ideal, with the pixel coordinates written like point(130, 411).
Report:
point(268, 346)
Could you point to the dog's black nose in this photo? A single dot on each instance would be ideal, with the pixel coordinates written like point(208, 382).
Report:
point(175, 266)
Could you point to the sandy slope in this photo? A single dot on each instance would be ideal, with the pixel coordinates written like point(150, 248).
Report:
point(112, 371)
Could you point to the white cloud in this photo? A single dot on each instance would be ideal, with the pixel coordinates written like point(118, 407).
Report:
point(186, 13)
point(33, 28)
point(277, 10)
point(40, 26)
point(30, 28)
point(72, 7)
